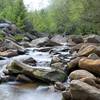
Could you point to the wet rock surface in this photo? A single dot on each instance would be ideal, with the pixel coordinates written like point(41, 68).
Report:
point(44, 74)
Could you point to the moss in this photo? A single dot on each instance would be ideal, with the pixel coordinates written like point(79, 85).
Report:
point(18, 37)
point(2, 36)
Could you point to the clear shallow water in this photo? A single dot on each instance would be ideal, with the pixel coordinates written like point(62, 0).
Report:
point(12, 91)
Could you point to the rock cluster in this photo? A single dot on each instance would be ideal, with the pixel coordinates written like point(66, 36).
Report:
point(84, 70)
point(26, 69)
point(78, 61)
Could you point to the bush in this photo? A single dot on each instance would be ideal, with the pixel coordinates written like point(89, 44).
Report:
point(18, 37)
point(2, 36)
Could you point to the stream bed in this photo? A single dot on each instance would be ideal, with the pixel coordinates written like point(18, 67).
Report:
point(29, 91)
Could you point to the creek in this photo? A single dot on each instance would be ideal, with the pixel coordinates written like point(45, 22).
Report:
point(30, 91)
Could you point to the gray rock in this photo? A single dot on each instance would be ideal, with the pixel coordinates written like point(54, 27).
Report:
point(9, 44)
point(59, 86)
point(43, 74)
point(92, 39)
point(58, 65)
point(76, 39)
point(30, 61)
point(59, 39)
point(93, 56)
point(23, 78)
point(42, 42)
point(25, 44)
point(39, 41)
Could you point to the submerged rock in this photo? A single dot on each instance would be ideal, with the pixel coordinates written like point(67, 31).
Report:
point(43, 74)
point(2, 58)
point(30, 61)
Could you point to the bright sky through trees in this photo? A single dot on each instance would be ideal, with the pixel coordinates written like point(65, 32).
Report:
point(36, 4)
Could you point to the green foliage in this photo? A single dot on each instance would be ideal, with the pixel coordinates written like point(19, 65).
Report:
point(2, 36)
point(13, 10)
point(18, 37)
point(72, 16)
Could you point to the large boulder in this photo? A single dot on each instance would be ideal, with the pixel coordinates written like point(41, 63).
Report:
point(84, 45)
point(73, 65)
point(9, 44)
point(88, 50)
point(76, 39)
point(43, 74)
point(92, 39)
point(78, 74)
point(90, 65)
point(59, 39)
point(39, 41)
point(45, 41)
point(82, 91)
point(8, 27)
point(77, 47)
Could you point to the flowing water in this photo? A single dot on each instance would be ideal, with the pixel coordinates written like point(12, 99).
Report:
point(26, 91)
point(17, 91)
